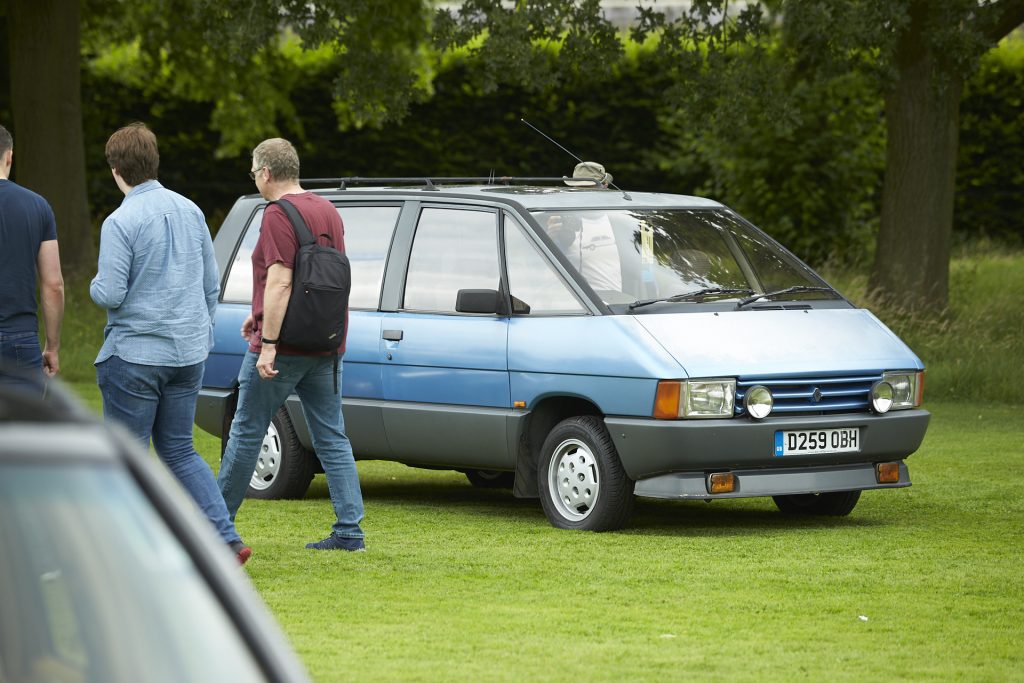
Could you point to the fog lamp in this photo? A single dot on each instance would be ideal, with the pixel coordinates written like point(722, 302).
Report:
point(721, 482)
point(758, 402)
point(882, 395)
point(887, 472)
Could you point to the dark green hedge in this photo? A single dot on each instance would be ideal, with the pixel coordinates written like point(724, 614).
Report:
point(990, 169)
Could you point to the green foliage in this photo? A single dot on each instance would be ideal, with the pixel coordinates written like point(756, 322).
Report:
point(195, 48)
point(990, 169)
point(513, 42)
point(810, 178)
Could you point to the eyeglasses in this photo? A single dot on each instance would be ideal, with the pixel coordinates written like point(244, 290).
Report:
point(252, 174)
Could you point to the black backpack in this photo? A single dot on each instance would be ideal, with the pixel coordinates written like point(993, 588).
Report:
point(321, 282)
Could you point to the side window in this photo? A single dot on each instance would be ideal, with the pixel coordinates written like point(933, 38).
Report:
point(531, 278)
point(453, 249)
point(368, 232)
point(238, 288)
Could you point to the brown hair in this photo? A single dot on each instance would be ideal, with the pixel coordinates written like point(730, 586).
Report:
point(133, 152)
point(279, 157)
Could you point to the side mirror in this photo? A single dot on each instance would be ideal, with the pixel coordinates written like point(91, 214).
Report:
point(478, 301)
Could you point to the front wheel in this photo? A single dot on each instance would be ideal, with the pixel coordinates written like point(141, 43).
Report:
point(581, 480)
point(836, 504)
point(284, 468)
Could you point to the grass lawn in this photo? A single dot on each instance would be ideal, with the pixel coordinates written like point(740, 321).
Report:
point(922, 583)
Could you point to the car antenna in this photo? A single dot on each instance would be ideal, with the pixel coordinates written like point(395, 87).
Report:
point(625, 195)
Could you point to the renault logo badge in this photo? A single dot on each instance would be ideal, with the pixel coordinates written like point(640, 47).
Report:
point(816, 395)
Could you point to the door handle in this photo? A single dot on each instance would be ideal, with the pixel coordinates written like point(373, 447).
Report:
point(392, 335)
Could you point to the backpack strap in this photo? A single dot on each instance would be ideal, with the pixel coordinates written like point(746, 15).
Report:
point(302, 231)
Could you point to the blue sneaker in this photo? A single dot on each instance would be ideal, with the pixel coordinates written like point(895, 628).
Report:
point(333, 542)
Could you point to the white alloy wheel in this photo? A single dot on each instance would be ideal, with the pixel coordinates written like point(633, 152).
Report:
point(573, 481)
point(269, 463)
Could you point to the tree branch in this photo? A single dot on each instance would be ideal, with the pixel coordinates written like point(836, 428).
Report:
point(1001, 18)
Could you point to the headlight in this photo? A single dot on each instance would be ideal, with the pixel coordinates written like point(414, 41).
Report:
point(907, 389)
point(695, 398)
point(758, 401)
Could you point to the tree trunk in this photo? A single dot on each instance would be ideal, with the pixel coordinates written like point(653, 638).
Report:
point(46, 99)
point(911, 268)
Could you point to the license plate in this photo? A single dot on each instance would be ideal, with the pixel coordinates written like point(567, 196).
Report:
point(845, 440)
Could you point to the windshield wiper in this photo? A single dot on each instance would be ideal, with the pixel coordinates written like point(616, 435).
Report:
point(687, 296)
point(779, 292)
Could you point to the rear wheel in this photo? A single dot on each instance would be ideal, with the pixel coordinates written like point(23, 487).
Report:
point(284, 468)
point(580, 477)
point(836, 504)
point(490, 479)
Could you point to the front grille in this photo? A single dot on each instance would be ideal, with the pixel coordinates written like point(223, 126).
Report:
point(812, 395)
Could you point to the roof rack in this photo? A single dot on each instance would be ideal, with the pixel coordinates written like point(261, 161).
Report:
point(431, 183)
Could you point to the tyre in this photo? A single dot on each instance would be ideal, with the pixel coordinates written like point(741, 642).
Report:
point(580, 477)
point(284, 468)
point(490, 479)
point(837, 504)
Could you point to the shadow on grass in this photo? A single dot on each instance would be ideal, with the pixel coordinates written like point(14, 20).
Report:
point(736, 517)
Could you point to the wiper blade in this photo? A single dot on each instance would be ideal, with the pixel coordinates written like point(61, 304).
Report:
point(779, 292)
point(687, 296)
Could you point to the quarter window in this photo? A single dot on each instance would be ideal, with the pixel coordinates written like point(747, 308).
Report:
point(453, 249)
point(531, 278)
point(238, 287)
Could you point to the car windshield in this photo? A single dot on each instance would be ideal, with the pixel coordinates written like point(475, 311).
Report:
point(95, 587)
point(636, 257)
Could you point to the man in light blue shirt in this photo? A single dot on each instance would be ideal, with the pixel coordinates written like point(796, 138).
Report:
point(157, 277)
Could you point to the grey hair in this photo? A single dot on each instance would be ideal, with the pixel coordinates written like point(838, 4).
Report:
point(279, 157)
point(6, 141)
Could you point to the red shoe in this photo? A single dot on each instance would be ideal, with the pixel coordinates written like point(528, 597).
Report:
point(241, 551)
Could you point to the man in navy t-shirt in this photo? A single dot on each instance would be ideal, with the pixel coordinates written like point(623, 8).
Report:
point(28, 251)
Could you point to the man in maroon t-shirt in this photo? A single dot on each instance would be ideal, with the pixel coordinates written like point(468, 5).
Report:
point(272, 372)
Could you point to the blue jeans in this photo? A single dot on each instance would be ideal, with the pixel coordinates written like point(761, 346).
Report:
point(21, 350)
point(312, 378)
point(160, 402)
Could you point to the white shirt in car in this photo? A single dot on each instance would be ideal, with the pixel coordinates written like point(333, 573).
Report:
point(595, 254)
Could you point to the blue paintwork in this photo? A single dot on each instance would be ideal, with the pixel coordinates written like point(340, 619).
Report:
point(610, 361)
point(779, 343)
point(446, 359)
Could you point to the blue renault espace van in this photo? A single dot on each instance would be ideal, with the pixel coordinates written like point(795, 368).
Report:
point(585, 346)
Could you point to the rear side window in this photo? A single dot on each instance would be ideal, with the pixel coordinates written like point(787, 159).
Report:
point(368, 233)
point(453, 249)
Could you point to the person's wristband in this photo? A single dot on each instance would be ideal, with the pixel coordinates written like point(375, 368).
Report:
point(264, 340)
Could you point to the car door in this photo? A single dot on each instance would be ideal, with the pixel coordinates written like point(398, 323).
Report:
point(369, 229)
point(445, 373)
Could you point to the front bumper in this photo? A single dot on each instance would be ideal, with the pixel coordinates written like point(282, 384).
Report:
point(649, 447)
point(770, 482)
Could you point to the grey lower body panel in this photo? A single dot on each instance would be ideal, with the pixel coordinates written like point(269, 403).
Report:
point(449, 436)
point(649, 447)
point(210, 408)
point(770, 482)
